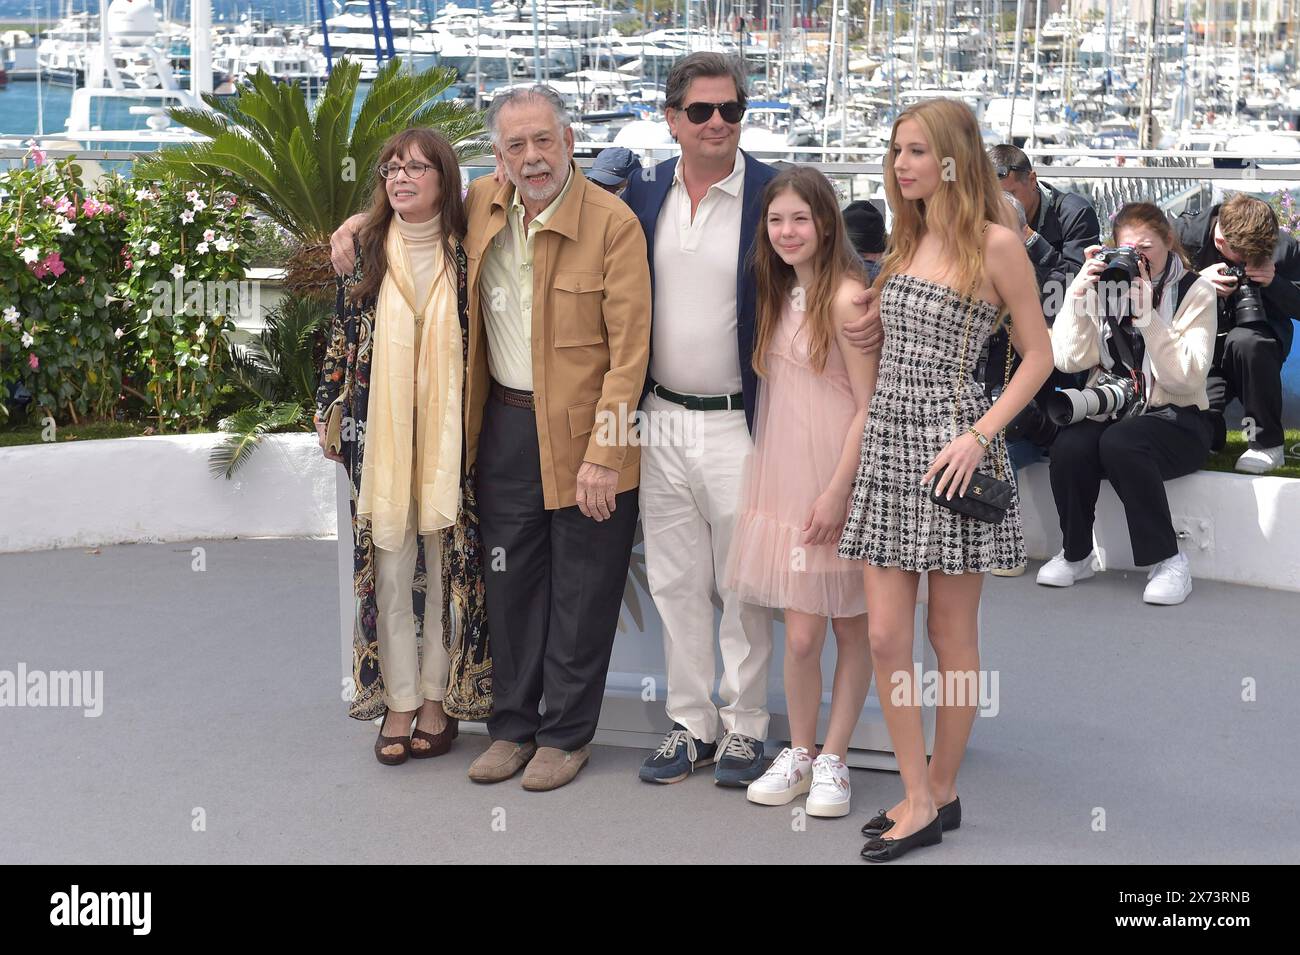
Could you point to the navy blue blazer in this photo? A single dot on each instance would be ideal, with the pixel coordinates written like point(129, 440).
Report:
point(645, 195)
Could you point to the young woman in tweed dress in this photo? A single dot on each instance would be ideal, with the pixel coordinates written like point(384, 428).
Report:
point(952, 268)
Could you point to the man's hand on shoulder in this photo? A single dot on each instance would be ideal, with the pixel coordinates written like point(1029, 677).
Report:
point(866, 332)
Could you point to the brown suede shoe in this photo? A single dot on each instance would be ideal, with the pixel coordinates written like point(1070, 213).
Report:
point(551, 768)
point(500, 761)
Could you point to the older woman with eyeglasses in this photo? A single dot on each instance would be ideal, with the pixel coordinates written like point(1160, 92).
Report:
point(390, 410)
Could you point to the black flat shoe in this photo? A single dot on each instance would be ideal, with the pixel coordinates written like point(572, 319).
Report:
point(880, 823)
point(886, 850)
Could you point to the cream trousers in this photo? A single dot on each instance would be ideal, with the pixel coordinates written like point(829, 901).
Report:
point(408, 682)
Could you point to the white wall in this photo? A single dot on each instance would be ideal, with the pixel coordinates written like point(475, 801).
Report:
point(123, 490)
point(1233, 527)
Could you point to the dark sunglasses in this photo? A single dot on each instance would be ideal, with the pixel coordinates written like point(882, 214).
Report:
point(700, 113)
point(1003, 170)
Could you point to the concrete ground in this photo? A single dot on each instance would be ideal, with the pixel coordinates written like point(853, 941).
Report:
point(223, 737)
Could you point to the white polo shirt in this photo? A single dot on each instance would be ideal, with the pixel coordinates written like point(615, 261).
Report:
point(693, 335)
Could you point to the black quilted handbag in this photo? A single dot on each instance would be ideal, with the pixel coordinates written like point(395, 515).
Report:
point(986, 498)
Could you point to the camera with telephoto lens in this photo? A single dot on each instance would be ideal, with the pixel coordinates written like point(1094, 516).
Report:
point(1031, 424)
point(1111, 396)
point(1246, 305)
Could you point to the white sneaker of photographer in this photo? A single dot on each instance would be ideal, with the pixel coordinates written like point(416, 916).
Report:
point(1260, 460)
point(789, 775)
point(1171, 581)
point(1059, 572)
point(830, 793)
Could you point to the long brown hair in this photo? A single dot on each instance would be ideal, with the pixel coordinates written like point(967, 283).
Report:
point(373, 233)
point(1153, 217)
point(776, 281)
point(968, 195)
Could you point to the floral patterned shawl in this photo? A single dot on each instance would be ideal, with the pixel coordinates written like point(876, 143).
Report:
point(346, 375)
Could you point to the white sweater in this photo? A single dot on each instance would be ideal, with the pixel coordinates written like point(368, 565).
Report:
point(1180, 353)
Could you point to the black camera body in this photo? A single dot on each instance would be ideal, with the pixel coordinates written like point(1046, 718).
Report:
point(1245, 306)
point(1123, 267)
point(1122, 263)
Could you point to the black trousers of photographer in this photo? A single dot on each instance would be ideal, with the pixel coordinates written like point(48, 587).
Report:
point(1249, 366)
point(1137, 455)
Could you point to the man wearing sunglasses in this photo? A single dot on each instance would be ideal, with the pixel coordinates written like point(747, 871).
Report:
point(700, 214)
point(1059, 225)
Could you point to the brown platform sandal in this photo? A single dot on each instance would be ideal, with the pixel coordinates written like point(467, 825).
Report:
point(439, 743)
point(386, 759)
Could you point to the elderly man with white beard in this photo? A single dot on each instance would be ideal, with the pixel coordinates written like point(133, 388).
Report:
point(559, 319)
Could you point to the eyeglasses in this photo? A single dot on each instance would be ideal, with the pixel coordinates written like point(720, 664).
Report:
point(700, 113)
point(1004, 170)
point(414, 170)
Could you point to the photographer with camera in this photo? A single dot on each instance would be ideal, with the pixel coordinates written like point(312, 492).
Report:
point(1256, 272)
point(1143, 324)
point(1058, 227)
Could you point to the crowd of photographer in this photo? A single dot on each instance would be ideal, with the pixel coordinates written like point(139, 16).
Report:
point(1152, 337)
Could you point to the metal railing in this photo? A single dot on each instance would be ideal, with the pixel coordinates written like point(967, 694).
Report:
point(1177, 181)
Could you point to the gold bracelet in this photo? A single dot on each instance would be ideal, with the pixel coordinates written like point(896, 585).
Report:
point(984, 442)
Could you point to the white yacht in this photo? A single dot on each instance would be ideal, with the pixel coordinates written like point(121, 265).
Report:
point(279, 51)
point(572, 18)
point(355, 34)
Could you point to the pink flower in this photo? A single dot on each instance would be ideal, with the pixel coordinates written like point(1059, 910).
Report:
point(81, 281)
point(55, 264)
point(40, 269)
point(47, 201)
point(66, 207)
point(38, 157)
point(33, 361)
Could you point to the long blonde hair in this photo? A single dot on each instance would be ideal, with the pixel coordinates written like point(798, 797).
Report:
point(775, 281)
point(968, 196)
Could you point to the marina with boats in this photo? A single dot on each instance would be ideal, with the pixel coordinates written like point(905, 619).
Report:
point(1067, 78)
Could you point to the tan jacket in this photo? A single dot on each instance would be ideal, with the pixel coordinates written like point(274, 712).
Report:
point(591, 329)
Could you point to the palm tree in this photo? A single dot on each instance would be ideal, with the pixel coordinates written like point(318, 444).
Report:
point(310, 170)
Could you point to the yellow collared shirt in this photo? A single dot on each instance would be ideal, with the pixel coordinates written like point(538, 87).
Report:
point(506, 290)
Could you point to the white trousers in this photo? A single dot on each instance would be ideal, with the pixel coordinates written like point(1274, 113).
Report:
point(407, 681)
point(690, 497)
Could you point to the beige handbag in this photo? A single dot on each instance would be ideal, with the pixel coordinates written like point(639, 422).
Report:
point(334, 427)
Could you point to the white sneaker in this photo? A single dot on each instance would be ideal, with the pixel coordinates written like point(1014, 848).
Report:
point(789, 775)
point(1059, 572)
point(1171, 581)
point(1015, 571)
point(830, 791)
point(1260, 461)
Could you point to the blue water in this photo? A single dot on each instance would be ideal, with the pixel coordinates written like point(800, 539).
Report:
point(18, 112)
point(19, 115)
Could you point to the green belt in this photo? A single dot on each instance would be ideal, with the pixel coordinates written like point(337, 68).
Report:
point(734, 402)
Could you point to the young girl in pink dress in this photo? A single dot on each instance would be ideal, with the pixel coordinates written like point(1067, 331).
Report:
point(811, 410)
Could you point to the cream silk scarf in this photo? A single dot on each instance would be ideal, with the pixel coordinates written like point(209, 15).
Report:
point(399, 392)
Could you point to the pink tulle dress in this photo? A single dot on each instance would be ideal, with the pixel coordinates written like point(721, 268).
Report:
point(802, 420)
